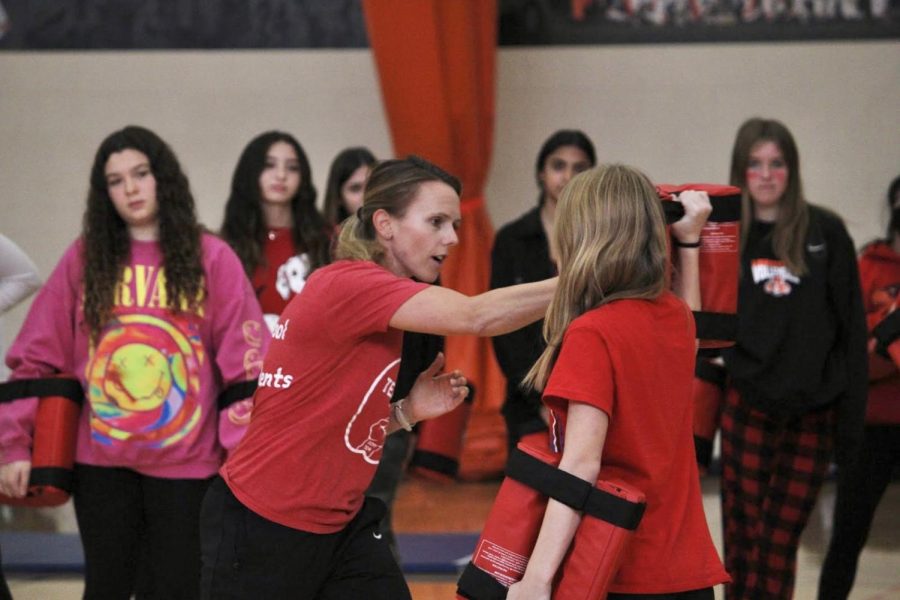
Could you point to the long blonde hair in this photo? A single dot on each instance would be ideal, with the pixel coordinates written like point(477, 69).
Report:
point(610, 237)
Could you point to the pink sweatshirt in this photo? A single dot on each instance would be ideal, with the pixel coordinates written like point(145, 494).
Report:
point(152, 381)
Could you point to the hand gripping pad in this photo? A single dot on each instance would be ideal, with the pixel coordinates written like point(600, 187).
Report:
point(719, 259)
point(55, 429)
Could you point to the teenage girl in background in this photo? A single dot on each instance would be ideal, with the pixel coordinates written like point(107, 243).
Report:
point(861, 487)
point(797, 370)
point(288, 519)
point(271, 220)
point(521, 254)
point(616, 377)
point(155, 319)
point(346, 182)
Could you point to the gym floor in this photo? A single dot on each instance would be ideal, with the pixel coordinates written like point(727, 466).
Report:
point(431, 507)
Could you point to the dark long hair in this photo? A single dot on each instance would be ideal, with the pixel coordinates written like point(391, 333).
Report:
point(342, 167)
point(894, 224)
point(244, 226)
point(107, 245)
point(789, 234)
point(563, 137)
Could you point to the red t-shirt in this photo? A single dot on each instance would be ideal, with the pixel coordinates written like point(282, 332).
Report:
point(322, 404)
point(879, 274)
point(281, 275)
point(634, 360)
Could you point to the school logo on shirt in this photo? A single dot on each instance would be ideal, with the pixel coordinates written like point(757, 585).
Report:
point(367, 428)
point(291, 276)
point(776, 277)
point(144, 380)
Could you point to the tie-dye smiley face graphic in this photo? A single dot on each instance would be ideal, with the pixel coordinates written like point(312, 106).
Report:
point(144, 379)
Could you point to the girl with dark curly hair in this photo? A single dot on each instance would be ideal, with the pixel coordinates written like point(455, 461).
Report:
point(156, 320)
point(272, 222)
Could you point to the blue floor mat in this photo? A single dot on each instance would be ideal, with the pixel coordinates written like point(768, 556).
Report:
point(435, 552)
point(34, 552)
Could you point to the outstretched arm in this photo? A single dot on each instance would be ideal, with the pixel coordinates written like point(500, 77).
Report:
point(443, 311)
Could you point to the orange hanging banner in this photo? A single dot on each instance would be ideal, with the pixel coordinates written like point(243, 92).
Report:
point(436, 63)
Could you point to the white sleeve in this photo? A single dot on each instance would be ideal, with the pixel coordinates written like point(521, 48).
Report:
point(18, 275)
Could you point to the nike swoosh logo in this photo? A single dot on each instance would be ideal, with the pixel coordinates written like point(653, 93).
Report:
point(815, 247)
point(376, 535)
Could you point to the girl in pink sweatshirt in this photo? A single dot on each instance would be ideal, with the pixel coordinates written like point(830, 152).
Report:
point(158, 322)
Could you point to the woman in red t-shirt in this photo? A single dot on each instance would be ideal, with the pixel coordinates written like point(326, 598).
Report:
point(288, 518)
point(616, 377)
point(271, 220)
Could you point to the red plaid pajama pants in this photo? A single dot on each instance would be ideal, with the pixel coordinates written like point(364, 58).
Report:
point(773, 467)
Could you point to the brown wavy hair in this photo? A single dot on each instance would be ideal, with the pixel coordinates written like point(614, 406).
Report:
point(107, 246)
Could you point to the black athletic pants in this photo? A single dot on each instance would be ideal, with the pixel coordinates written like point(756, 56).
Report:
point(246, 556)
point(128, 520)
point(859, 491)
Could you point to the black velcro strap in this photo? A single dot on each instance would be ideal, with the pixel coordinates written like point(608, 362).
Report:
point(887, 331)
point(48, 386)
point(235, 393)
point(434, 462)
point(573, 492)
point(715, 326)
point(725, 209)
point(475, 584)
point(53, 476)
point(710, 373)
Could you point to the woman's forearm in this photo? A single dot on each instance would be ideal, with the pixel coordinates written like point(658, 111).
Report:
point(443, 311)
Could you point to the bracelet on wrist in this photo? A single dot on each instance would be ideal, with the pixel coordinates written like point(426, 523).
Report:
point(678, 243)
point(399, 416)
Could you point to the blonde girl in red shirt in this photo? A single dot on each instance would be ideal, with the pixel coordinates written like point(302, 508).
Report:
point(616, 378)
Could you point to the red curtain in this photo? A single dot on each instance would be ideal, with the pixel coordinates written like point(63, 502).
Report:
point(436, 62)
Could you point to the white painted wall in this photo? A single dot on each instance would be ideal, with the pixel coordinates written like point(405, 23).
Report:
point(671, 110)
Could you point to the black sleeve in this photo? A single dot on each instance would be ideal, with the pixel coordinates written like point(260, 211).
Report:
point(516, 351)
point(502, 275)
point(846, 297)
point(419, 350)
